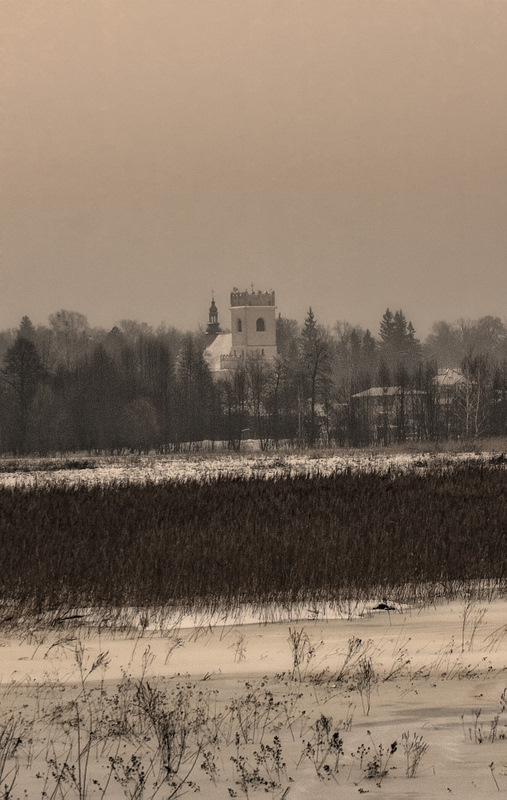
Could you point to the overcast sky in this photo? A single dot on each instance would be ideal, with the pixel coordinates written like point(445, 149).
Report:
point(349, 154)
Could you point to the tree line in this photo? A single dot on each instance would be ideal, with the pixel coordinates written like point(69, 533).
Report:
point(67, 387)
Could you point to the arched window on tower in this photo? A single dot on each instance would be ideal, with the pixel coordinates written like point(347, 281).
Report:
point(261, 325)
point(239, 326)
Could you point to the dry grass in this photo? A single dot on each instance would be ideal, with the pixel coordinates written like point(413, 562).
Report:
point(299, 729)
point(228, 542)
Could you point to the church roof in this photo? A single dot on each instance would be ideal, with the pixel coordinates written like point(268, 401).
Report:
point(220, 346)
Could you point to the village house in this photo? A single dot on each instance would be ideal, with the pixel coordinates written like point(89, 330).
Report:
point(384, 414)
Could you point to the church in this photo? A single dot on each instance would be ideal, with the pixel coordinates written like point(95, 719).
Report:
point(253, 331)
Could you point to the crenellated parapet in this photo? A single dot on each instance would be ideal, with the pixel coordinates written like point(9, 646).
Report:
point(230, 360)
point(246, 298)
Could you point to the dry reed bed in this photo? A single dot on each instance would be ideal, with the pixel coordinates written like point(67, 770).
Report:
point(231, 541)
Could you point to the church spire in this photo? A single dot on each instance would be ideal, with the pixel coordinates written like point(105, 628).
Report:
point(213, 327)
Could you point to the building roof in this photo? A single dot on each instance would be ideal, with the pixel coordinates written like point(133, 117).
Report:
point(220, 346)
point(379, 391)
point(448, 377)
point(386, 391)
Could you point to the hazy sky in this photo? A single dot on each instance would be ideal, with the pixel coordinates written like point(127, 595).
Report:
point(350, 154)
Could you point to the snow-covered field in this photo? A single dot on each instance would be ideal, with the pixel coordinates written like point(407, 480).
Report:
point(285, 702)
point(407, 703)
point(156, 469)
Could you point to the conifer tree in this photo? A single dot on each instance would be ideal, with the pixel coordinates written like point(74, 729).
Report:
point(26, 329)
point(399, 345)
point(315, 371)
point(22, 372)
point(369, 351)
point(387, 327)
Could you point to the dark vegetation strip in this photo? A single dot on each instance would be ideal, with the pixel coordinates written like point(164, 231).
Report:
point(251, 540)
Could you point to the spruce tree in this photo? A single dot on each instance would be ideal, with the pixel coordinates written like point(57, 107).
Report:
point(315, 371)
point(22, 372)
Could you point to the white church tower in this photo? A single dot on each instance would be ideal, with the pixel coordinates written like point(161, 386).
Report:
point(253, 331)
point(253, 324)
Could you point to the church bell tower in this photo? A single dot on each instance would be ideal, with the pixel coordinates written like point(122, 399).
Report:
point(253, 322)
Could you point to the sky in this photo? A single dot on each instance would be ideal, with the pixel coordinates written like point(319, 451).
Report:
point(349, 154)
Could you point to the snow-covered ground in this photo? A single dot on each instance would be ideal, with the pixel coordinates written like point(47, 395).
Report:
point(156, 469)
point(428, 681)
